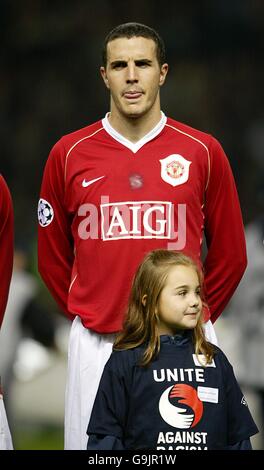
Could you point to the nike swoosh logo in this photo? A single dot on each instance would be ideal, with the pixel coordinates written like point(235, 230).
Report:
point(88, 183)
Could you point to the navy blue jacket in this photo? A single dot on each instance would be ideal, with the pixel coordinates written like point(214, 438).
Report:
point(174, 403)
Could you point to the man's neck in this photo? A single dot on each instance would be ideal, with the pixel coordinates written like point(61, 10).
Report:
point(136, 128)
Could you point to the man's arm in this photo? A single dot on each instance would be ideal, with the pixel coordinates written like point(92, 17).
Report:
point(226, 259)
point(6, 244)
point(55, 244)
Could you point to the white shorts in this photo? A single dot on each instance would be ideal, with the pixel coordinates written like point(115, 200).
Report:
point(87, 355)
point(5, 436)
point(210, 332)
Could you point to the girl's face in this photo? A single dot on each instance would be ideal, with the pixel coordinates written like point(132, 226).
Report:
point(180, 305)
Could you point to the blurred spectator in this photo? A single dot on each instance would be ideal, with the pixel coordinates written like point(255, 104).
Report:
point(25, 317)
point(242, 335)
point(247, 307)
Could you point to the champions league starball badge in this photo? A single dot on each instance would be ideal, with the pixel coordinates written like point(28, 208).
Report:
point(45, 213)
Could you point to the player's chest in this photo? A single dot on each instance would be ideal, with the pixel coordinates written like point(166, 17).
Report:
point(155, 172)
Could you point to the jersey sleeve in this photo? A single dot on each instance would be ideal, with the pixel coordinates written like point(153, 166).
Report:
point(6, 244)
point(99, 442)
point(109, 414)
point(241, 445)
point(240, 424)
point(55, 243)
point(226, 258)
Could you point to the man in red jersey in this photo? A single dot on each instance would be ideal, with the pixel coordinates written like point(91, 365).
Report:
point(6, 244)
point(6, 266)
point(127, 184)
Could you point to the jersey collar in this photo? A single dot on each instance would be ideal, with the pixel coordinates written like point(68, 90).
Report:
point(134, 147)
point(179, 339)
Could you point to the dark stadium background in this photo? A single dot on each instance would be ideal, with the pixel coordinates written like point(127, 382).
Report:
point(50, 85)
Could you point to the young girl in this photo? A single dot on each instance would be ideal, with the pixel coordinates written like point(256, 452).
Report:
point(165, 387)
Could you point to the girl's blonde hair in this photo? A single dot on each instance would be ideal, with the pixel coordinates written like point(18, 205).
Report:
point(141, 322)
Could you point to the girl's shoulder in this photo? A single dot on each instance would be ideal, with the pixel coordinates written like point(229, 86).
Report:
point(125, 358)
point(220, 358)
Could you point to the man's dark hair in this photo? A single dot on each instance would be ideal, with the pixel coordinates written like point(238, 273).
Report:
point(130, 30)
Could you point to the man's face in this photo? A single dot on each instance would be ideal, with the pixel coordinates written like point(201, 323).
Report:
point(133, 76)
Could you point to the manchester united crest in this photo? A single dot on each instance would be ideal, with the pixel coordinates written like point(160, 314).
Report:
point(175, 169)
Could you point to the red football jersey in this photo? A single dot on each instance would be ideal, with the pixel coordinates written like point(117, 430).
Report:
point(105, 202)
point(6, 244)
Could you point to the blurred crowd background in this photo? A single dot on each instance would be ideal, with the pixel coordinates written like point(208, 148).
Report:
point(49, 86)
